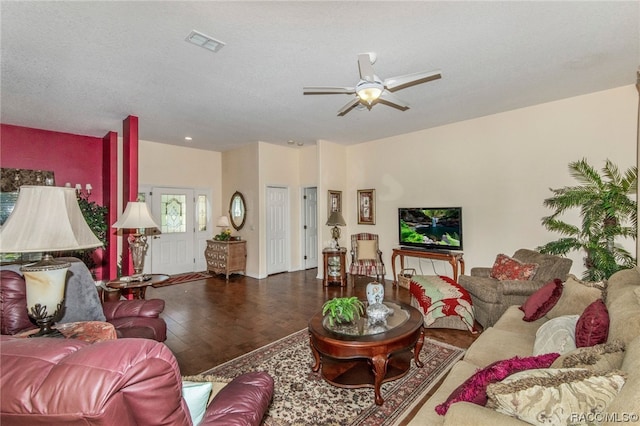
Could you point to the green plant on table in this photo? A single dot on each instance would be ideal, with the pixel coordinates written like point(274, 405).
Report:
point(343, 309)
point(607, 212)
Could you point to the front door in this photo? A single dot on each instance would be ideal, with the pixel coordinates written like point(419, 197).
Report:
point(173, 250)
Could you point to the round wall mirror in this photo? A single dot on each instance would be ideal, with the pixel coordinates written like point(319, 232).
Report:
point(237, 211)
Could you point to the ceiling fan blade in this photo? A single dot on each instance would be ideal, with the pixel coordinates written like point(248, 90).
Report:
point(402, 81)
point(319, 90)
point(366, 69)
point(345, 109)
point(393, 101)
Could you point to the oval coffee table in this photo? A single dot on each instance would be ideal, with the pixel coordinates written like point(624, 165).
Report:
point(367, 356)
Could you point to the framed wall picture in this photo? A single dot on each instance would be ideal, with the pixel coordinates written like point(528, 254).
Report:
point(367, 206)
point(335, 202)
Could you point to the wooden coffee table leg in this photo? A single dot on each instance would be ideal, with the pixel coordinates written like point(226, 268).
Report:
point(379, 371)
point(418, 348)
point(316, 356)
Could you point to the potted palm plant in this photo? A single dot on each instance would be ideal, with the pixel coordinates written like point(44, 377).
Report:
point(343, 309)
point(607, 213)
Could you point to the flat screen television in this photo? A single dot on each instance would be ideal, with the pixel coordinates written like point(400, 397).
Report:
point(430, 228)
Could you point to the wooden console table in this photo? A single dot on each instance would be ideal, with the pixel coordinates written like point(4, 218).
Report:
point(455, 260)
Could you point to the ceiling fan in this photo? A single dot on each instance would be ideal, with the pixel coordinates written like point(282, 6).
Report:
point(371, 90)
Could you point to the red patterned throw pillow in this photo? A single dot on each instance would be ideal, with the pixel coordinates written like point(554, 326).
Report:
point(539, 303)
point(474, 389)
point(592, 327)
point(507, 268)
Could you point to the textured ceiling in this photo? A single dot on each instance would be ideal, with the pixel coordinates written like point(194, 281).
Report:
point(83, 66)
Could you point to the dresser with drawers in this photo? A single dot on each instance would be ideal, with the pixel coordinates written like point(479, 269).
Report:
point(226, 257)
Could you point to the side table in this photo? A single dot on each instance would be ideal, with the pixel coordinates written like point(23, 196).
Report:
point(334, 266)
point(137, 287)
point(87, 331)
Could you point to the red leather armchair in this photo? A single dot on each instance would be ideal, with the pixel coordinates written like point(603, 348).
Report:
point(131, 318)
point(121, 382)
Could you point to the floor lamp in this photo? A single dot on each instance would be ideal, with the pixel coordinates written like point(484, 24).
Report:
point(46, 219)
point(137, 216)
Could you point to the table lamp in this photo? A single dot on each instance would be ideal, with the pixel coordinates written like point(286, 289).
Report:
point(46, 219)
point(336, 220)
point(137, 216)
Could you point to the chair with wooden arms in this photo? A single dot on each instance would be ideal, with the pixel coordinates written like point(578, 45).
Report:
point(366, 257)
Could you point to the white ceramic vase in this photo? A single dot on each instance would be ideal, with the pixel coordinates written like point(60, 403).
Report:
point(375, 293)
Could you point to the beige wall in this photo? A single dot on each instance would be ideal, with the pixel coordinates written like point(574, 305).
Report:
point(499, 168)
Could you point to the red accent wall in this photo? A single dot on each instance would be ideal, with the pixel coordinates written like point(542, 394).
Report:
point(72, 158)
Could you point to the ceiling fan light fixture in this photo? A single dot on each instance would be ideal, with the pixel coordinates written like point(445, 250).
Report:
point(369, 91)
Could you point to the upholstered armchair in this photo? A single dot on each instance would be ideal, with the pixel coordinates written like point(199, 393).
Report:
point(131, 318)
point(491, 297)
point(366, 257)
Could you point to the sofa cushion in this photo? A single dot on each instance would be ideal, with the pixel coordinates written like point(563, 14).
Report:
point(624, 309)
point(474, 389)
point(576, 296)
point(602, 357)
point(511, 320)
point(196, 394)
point(507, 268)
point(556, 335)
point(494, 344)
point(542, 300)
point(627, 400)
point(532, 395)
point(593, 325)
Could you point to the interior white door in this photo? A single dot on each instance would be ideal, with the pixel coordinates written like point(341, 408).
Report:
point(277, 202)
point(310, 228)
point(173, 249)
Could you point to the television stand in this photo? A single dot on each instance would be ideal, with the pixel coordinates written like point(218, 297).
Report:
point(454, 258)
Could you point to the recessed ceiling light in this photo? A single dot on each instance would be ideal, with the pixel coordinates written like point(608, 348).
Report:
point(204, 41)
point(188, 138)
point(290, 142)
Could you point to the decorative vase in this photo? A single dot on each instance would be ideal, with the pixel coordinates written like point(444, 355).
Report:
point(375, 293)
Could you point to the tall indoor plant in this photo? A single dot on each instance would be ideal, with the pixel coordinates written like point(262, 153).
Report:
point(607, 213)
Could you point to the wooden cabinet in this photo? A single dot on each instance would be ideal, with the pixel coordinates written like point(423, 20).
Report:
point(226, 257)
point(334, 266)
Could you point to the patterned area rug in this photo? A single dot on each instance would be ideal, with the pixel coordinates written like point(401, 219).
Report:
point(302, 397)
point(183, 278)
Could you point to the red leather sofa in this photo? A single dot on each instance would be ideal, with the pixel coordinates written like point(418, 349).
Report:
point(131, 318)
point(124, 382)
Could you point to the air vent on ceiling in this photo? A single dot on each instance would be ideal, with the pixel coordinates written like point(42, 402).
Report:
point(205, 41)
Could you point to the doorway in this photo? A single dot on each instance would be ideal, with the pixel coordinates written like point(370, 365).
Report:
point(184, 215)
point(310, 228)
point(277, 232)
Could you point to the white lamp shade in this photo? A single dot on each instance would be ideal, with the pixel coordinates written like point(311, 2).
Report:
point(46, 219)
point(223, 222)
point(136, 216)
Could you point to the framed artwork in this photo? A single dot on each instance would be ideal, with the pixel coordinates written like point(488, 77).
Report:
point(335, 202)
point(367, 206)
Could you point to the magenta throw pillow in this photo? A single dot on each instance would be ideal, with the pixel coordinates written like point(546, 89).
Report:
point(592, 327)
point(541, 302)
point(507, 268)
point(474, 389)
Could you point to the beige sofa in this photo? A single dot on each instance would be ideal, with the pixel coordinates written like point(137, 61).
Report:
point(511, 336)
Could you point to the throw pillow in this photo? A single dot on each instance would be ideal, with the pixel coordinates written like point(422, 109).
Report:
point(593, 325)
point(474, 389)
point(197, 397)
point(532, 396)
point(556, 335)
point(507, 268)
point(602, 357)
point(366, 249)
point(541, 302)
point(576, 296)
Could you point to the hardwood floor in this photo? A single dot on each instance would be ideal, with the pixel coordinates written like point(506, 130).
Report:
point(212, 321)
